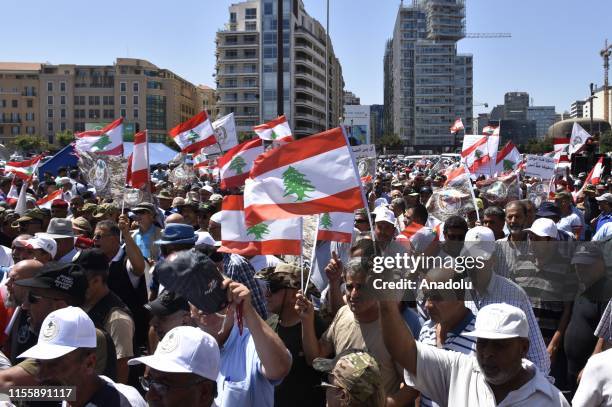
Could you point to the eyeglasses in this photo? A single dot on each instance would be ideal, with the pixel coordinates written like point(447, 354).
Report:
point(99, 237)
point(162, 388)
point(33, 299)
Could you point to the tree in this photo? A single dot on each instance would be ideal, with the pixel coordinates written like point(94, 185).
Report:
point(390, 141)
point(535, 146)
point(169, 141)
point(296, 183)
point(237, 164)
point(258, 231)
point(29, 144)
point(64, 138)
point(605, 142)
point(326, 221)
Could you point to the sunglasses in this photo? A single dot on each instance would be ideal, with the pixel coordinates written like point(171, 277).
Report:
point(162, 388)
point(34, 299)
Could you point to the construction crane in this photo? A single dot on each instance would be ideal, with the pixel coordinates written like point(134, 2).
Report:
point(488, 35)
point(605, 54)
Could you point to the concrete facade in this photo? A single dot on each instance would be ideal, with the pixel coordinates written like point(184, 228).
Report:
point(544, 117)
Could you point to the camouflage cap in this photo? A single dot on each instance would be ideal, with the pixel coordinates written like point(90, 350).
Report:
point(31, 214)
point(164, 194)
point(286, 275)
point(104, 210)
point(89, 207)
point(355, 371)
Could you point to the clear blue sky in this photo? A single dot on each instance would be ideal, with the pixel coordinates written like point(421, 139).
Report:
point(553, 53)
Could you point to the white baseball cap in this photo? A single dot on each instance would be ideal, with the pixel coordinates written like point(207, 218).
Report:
point(380, 202)
point(605, 197)
point(543, 227)
point(384, 215)
point(479, 242)
point(500, 321)
point(185, 349)
point(41, 242)
point(208, 188)
point(63, 331)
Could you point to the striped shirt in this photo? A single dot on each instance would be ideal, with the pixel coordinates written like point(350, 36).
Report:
point(455, 341)
point(502, 290)
point(604, 328)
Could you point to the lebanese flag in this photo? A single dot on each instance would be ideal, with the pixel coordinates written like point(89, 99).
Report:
point(508, 159)
point(22, 169)
point(475, 152)
point(578, 139)
point(561, 147)
point(457, 126)
point(48, 199)
point(275, 130)
point(282, 236)
point(194, 134)
point(235, 165)
point(490, 131)
point(419, 236)
point(138, 162)
point(313, 175)
point(336, 226)
point(108, 141)
point(457, 175)
point(594, 176)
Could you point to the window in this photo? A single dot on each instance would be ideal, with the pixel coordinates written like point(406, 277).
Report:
point(232, 17)
point(94, 114)
point(231, 54)
point(268, 9)
point(29, 103)
point(63, 113)
point(108, 100)
point(123, 100)
point(108, 113)
point(154, 85)
point(49, 100)
point(79, 100)
point(62, 86)
point(3, 103)
point(250, 53)
point(50, 126)
point(63, 126)
point(49, 86)
point(122, 113)
point(50, 113)
point(250, 14)
point(30, 116)
point(123, 86)
point(156, 112)
point(250, 26)
point(15, 130)
point(14, 103)
point(269, 52)
point(30, 130)
point(135, 86)
point(79, 127)
point(135, 99)
point(94, 100)
point(50, 138)
point(62, 100)
point(1, 130)
point(135, 113)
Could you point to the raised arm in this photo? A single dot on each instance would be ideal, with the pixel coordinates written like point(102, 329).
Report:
point(397, 336)
point(313, 347)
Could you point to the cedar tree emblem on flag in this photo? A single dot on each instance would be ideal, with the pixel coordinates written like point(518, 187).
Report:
point(296, 183)
point(326, 221)
point(237, 164)
point(508, 165)
point(258, 230)
point(101, 144)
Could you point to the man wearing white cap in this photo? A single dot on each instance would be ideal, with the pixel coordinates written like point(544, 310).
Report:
point(499, 374)
point(44, 248)
point(183, 370)
point(491, 288)
point(66, 352)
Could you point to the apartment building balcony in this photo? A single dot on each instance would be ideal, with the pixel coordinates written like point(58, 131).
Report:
point(10, 120)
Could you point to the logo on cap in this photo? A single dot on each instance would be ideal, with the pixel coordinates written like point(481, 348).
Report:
point(49, 331)
point(64, 282)
point(169, 343)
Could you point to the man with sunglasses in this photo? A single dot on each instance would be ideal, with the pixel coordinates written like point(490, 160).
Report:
point(183, 370)
point(66, 356)
point(300, 387)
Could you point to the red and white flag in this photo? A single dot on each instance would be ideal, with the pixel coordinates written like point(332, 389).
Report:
point(490, 131)
point(419, 236)
point(194, 134)
point(235, 165)
point(282, 236)
point(48, 199)
point(457, 175)
point(22, 169)
point(313, 175)
point(508, 159)
point(336, 226)
point(108, 141)
point(457, 126)
point(138, 162)
point(561, 149)
point(275, 130)
point(479, 153)
point(594, 176)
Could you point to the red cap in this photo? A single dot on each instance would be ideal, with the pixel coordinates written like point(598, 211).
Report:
point(59, 203)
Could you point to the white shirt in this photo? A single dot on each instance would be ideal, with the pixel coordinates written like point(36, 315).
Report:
point(595, 387)
point(261, 262)
point(455, 379)
point(7, 260)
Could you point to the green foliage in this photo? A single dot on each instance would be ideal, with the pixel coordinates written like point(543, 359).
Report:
point(258, 231)
point(29, 144)
point(64, 138)
point(169, 141)
point(296, 183)
point(605, 142)
point(537, 146)
point(390, 141)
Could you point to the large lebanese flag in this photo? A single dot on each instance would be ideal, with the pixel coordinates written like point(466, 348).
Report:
point(108, 141)
point(22, 169)
point(275, 130)
point(235, 165)
point(48, 199)
point(457, 126)
point(138, 162)
point(508, 159)
point(594, 176)
point(477, 152)
point(282, 236)
point(561, 147)
point(194, 134)
point(313, 175)
point(336, 226)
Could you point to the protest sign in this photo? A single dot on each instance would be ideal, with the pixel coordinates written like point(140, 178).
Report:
point(365, 157)
point(540, 166)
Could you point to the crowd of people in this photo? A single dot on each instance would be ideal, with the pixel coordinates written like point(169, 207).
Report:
point(137, 305)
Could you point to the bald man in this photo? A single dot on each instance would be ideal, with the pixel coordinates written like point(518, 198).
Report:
point(21, 336)
point(175, 218)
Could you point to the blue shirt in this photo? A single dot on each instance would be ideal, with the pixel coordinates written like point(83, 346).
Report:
point(144, 241)
point(241, 382)
point(603, 219)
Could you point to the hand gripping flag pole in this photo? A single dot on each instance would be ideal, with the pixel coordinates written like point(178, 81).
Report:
point(312, 255)
point(472, 192)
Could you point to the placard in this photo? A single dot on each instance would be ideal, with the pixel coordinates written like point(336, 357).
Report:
point(540, 166)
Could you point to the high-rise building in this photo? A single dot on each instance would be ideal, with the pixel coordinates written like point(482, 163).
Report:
point(68, 97)
point(515, 105)
point(544, 117)
point(351, 99)
point(377, 119)
point(247, 68)
point(598, 105)
point(576, 109)
point(388, 127)
point(431, 83)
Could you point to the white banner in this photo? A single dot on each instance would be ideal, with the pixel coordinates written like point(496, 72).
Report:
point(540, 166)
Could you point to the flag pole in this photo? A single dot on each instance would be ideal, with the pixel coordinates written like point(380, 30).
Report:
point(472, 192)
point(312, 255)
